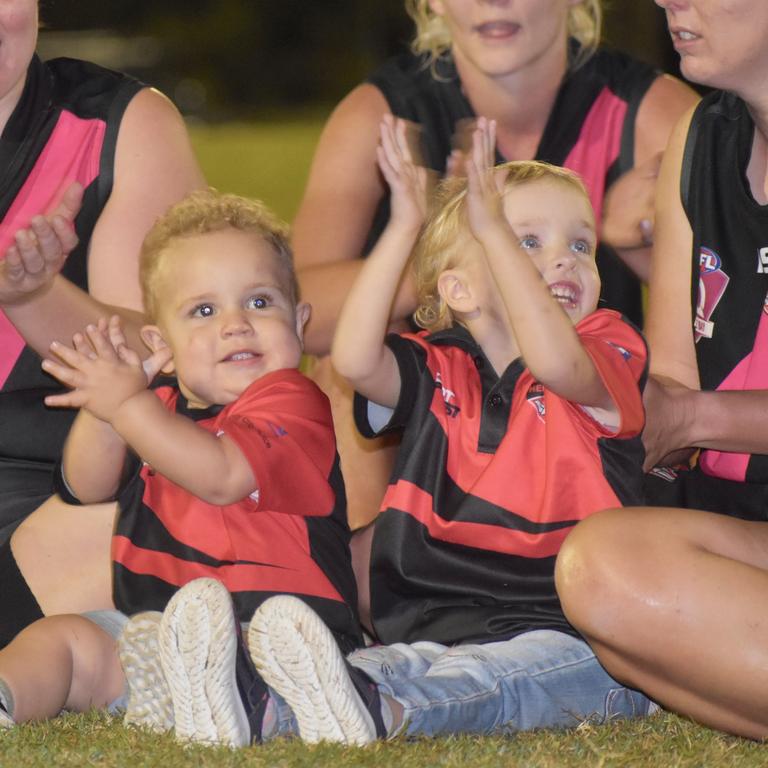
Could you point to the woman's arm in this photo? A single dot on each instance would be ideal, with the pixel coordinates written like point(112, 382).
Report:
point(336, 213)
point(628, 211)
point(359, 352)
point(154, 167)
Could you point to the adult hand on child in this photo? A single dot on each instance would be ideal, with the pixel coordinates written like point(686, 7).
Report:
point(408, 181)
point(668, 409)
point(39, 251)
point(101, 370)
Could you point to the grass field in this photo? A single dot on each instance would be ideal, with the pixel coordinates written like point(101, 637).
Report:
point(267, 160)
point(663, 741)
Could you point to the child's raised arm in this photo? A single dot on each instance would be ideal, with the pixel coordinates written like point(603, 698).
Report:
point(544, 333)
point(359, 352)
point(109, 381)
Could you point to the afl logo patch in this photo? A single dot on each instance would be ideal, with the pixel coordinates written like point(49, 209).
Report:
point(709, 261)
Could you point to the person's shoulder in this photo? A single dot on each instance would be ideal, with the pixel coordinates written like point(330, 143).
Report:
point(82, 83)
point(402, 68)
point(627, 77)
point(287, 389)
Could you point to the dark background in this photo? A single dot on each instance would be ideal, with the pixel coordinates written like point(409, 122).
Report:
point(247, 58)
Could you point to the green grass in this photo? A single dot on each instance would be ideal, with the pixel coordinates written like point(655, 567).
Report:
point(267, 160)
point(665, 741)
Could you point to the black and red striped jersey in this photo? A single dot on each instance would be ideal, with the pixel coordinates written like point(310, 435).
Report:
point(492, 473)
point(290, 536)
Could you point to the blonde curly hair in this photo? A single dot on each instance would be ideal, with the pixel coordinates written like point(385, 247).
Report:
point(446, 235)
point(207, 211)
point(433, 38)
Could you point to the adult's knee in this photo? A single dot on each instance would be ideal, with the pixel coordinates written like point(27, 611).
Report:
point(598, 571)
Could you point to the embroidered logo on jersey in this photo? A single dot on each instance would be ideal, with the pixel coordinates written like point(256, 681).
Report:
point(762, 261)
point(535, 397)
point(625, 353)
point(712, 284)
point(451, 408)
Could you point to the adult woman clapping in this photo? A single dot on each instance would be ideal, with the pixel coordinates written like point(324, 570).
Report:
point(97, 151)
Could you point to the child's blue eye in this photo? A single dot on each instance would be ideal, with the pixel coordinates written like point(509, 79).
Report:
point(204, 310)
point(581, 246)
point(257, 302)
point(528, 242)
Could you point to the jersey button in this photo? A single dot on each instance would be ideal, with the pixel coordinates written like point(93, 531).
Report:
point(495, 400)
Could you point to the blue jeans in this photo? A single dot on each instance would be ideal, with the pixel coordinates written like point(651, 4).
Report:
point(540, 679)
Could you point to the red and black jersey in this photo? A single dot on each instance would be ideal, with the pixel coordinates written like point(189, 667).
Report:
point(492, 474)
point(63, 129)
point(290, 536)
point(591, 130)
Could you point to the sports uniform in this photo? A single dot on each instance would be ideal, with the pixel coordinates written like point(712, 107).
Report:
point(289, 537)
point(729, 292)
point(63, 129)
point(591, 130)
point(484, 489)
point(492, 474)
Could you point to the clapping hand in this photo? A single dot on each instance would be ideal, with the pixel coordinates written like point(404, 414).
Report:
point(408, 182)
point(484, 183)
point(39, 251)
point(100, 369)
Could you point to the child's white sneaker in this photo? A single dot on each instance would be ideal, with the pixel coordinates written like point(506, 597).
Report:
point(297, 655)
point(217, 695)
point(149, 698)
point(6, 721)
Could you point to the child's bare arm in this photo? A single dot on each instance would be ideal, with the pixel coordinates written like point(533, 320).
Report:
point(359, 352)
point(109, 382)
point(544, 333)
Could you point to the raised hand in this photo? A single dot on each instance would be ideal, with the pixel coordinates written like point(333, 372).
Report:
point(39, 252)
point(408, 182)
point(100, 369)
point(484, 185)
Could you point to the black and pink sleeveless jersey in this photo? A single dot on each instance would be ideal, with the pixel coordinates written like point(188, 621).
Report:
point(290, 536)
point(729, 286)
point(590, 130)
point(492, 474)
point(64, 129)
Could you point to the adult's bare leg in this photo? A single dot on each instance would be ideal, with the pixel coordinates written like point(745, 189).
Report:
point(63, 553)
point(674, 603)
point(365, 464)
point(60, 662)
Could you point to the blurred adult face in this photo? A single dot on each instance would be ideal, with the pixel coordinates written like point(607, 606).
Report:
point(503, 37)
point(18, 38)
point(722, 43)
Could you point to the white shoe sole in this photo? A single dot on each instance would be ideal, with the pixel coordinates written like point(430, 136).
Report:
point(198, 647)
point(149, 699)
point(6, 721)
point(297, 655)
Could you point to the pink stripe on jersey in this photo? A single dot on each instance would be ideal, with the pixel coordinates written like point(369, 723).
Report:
point(71, 154)
point(750, 373)
point(598, 146)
